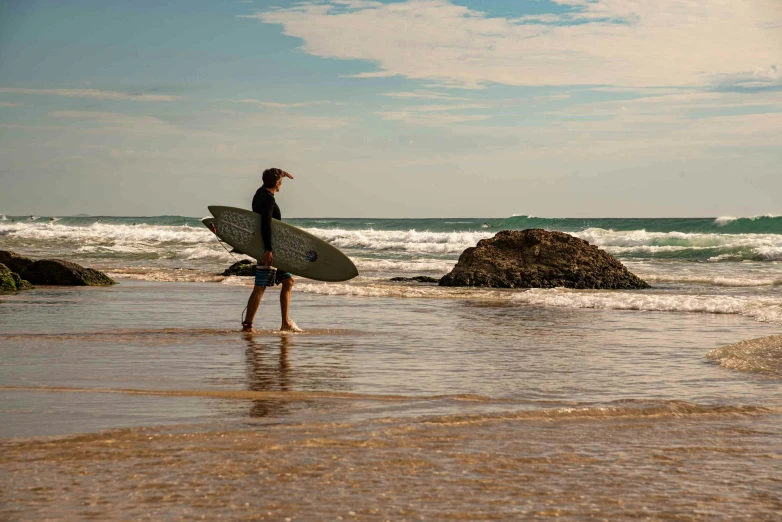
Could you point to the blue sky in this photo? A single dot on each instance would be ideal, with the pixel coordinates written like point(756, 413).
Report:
point(418, 108)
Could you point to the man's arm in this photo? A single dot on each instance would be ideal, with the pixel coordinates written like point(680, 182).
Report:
point(262, 206)
point(266, 227)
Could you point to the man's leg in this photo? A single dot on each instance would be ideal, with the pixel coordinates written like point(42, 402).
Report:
point(285, 302)
point(252, 305)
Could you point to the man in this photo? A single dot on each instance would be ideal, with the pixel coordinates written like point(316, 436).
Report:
point(265, 274)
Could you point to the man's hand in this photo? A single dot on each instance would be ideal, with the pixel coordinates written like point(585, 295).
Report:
point(268, 258)
point(287, 175)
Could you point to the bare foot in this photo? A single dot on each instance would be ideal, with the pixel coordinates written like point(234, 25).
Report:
point(248, 328)
point(290, 327)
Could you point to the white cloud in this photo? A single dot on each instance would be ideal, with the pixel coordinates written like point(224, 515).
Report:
point(758, 77)
point(10, 104)
point(119, 122)
point(355, 4)
point(773, 73)
point(543, 19)
point(93, 93)
point(433, 115)
point(434, 119)
point(676, 103)
point(424, 94)
point(280, 122)
point(457, 107)
point(623, 43)
point(553, 97)
point(229, 123)
point(278, 105)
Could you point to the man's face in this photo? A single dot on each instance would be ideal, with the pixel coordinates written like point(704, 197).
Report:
point(279, 184)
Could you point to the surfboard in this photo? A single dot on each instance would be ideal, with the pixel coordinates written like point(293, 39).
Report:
point(295, 250)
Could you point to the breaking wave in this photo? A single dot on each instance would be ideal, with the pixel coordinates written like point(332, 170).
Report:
point(103, 233)
point(624, 244)
point(767, 224)
point(688, 246)
point(171, 237)
point(411, 241)
point(714, 280)
point(411, 266)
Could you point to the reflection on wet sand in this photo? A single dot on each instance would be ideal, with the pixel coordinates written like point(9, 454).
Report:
point(276, 371)
point(264, 373)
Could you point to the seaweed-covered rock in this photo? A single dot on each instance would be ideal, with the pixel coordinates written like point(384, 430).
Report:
point(59, 272)
point(416, 279)
point(21, 284)
point(7, 281)
point(14, 261)
point(244, 267)
point(10, 281)
point(537, 258)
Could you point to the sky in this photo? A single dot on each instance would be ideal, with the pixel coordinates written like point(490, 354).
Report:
point(414, 108)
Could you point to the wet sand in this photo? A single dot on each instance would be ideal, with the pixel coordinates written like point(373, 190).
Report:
point(711, 465)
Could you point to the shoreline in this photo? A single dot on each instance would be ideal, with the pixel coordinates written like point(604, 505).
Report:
point(394, 469)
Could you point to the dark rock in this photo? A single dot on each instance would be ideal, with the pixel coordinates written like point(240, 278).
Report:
point(14, 261)
point(21, 284)
point(10, 281)
point(416, 279)
point(7, 281)
point(244, 267)
point(537, 258)
point(59, 272)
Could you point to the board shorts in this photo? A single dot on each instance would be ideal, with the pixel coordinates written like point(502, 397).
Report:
point(265, 276)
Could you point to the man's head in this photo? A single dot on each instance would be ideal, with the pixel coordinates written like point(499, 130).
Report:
point(273, 177)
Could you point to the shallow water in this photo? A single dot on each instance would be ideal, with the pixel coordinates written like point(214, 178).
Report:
point(435, 356)
point(386, 409)
point(400, 401)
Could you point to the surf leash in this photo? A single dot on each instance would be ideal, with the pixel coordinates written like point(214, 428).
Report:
point(217, 238)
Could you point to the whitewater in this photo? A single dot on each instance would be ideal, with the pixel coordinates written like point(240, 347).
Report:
point(724, 265)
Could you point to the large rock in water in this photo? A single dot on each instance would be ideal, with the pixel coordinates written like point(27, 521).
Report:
point(10, 281)
point(537, 258)
point(59, 272)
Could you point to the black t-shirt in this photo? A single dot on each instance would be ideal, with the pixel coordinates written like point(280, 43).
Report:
point(264, 204)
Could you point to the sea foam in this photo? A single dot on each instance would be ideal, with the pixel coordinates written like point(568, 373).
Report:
point(760, 309)
point(400, 240)
point(713, 280)
point(762, 355)
point(103, 232)
point(412, 266)
point(625, 244)
point(640, 243)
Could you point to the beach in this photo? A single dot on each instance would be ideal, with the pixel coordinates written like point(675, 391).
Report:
point(400, 401)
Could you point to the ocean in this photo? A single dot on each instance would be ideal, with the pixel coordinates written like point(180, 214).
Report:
point(400, 401)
